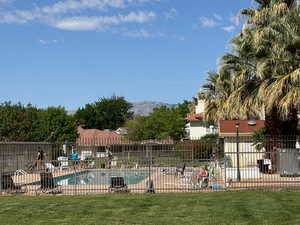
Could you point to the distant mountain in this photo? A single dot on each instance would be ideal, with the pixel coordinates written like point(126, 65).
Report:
point(71, 112)
point(147, 107)
point(140, 108)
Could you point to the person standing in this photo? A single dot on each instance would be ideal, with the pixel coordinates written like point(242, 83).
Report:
point(74, 157)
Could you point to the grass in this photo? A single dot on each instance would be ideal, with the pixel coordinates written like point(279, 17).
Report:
point(234, 208)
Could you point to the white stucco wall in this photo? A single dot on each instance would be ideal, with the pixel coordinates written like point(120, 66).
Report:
point(246, 173)
point(196, 130)
point(248, 153)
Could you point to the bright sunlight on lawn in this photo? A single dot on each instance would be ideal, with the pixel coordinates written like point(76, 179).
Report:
point(249, 207)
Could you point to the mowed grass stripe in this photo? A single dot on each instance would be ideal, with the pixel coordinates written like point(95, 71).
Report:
point(247, 207)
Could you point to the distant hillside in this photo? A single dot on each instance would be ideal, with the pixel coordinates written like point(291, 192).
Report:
point(147, 107)
point(140, 108)
point(71, 112)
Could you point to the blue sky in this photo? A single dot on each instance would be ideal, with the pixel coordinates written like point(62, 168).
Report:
point(71, 52)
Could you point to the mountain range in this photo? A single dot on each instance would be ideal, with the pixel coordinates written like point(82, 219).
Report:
point(141, 108)
point(147, 107)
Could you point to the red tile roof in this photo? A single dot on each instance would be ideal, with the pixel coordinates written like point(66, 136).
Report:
point(194, 117)
point(228, 126)
point(98, 137)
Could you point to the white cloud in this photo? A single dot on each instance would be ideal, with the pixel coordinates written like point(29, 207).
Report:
point(139, 34)
point(235, 20)
point(208, 22)
point(218, 17)
point(76, 5)
point(84, 15)
point(73, 5)
point(228, 28)
point(141, 1)
point(171, 14)
point(61, 8)
point(8, 17)
point(55, 15)
point(48, 42)
point(20, 16)
point(102, 22)
point(145, 34)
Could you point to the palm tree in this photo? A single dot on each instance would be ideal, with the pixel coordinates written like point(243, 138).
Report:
point(263, 69)
point(215, 92)
point(275, 44)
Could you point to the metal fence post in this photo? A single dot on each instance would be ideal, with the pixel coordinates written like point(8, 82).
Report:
point(1, 168)
point(0, 180)
point(150, 185)
point(225, 166)
point(238, 176)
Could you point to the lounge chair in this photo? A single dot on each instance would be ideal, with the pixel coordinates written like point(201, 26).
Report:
point(203, 183)
point(180, 171)
point(8, 186)
point(47, 184)
point(49, 167)
point(118, 185)
point(20, 172)
point(168, 170)
point(63, 162)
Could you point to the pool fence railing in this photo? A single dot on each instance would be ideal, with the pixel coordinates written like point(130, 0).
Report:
point(120, 165)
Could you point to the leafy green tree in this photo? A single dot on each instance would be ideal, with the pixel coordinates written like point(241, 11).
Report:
point(106, 113)
point(138, 128)
point(28, 123)
point(56, 125)
point(18, 122)
point(184, 108)
point(162, 123)
point(259, 139)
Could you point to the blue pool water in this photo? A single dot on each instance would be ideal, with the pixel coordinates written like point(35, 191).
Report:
point(100, 177)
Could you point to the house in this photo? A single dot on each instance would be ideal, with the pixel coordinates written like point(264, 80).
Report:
point(122, 131)
point(197, 126)
point(97, 137)
point(228, 131)
point(248, 152)
point(94, 142)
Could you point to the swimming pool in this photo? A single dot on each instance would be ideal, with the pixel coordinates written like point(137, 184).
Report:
point(100, 177)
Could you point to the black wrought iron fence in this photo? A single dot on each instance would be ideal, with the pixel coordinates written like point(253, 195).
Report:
point(149, 166)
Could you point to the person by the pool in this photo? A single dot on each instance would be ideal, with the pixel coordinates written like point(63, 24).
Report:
point(203, 172)
point(74, 157)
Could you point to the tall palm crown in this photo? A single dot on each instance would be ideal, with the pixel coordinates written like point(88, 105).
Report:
point(263, 69)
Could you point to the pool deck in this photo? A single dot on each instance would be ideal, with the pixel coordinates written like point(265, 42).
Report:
point(163, 182)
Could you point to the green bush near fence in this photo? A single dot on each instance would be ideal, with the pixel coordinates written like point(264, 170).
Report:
point(195, 150)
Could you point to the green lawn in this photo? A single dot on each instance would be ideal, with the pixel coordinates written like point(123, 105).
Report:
point(219, 208)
